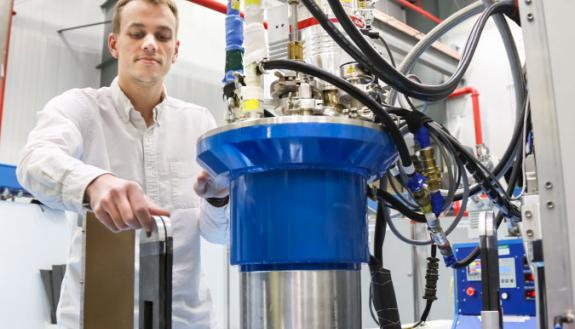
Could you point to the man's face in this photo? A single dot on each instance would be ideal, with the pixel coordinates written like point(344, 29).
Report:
point(146, 45)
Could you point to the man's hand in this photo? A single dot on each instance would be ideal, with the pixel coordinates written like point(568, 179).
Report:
point(121, 204)
point(207, 186)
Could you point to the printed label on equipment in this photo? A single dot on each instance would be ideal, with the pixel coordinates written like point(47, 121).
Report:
point(474, 271)
point(504, 251)
point(507, 278)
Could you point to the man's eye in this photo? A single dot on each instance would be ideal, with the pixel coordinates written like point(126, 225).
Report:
point(136, 35)
point(164, 36)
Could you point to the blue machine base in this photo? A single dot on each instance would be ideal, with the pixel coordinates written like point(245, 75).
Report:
point(298, 216)
point(298, 190)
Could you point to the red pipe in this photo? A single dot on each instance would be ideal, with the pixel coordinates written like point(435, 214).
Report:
point(476, 111)
point(7, 48)
point(217, 6)
point(419, 10)
point(213, 5)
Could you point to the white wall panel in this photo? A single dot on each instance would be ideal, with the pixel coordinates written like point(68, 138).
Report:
point(34, 238)
point(196, 76)
point(43, 63)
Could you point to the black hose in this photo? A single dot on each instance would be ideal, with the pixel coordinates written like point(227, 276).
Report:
point(486, 180)
point(508, 155)
point(384, 298)
point(399, 206)
point(354, 92)
point(382, 293)
point(386, 72)
point(483, 176)
point(379, 235)
point(389, 53)
point(514, 177)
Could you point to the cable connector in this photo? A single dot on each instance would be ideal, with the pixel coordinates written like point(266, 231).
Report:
point(431, 278)
point(444, 246)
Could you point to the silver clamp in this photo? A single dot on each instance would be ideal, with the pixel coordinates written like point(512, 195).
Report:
point(156, 260)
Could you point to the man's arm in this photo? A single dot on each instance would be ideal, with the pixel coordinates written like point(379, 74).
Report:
point(215, 223)
point(50, 169)
point(49, 165)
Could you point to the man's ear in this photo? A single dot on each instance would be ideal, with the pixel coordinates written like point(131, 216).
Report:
point(113, 44)
point(176, 51)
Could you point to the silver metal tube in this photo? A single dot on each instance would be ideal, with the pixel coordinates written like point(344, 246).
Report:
point(490, 320)
point(294, 34)
point(329, 299)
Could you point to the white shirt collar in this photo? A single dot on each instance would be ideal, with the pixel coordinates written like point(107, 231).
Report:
point(124, 106)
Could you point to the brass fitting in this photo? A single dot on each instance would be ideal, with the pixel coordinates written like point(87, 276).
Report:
point(430, 169)
point(423, 199)
point(295, 50)
point(330, 98)
point(363, 4)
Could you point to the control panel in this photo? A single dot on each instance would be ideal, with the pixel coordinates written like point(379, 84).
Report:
point(517, 282)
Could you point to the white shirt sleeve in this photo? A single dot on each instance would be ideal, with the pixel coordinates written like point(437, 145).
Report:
point(214, 221)
point(49, 165)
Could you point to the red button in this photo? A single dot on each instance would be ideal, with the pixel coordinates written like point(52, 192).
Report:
point(470, 291)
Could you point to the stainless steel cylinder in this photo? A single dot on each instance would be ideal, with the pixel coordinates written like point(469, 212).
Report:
point(319, 48)
point(301, 299)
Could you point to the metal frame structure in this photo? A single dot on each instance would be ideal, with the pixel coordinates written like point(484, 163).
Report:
point(550, 72)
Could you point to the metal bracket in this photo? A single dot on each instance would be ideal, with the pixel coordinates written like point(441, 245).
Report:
point(531, 226)
point(156, 259)
point(491, 312)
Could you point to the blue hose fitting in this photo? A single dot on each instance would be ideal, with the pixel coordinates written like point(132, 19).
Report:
point(416, 182)
point(422, 137)
point(449, 260)
point(437, 202)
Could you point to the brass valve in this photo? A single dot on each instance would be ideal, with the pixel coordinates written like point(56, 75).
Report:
point(430, 169)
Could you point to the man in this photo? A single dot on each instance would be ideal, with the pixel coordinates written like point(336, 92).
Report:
point(128, 152)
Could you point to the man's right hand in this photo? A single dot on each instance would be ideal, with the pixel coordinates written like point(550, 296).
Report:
point(121, 204)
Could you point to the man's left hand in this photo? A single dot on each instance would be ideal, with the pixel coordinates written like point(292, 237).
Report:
point(208, 187)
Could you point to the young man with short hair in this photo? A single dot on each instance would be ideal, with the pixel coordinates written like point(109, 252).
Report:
point(128, 153)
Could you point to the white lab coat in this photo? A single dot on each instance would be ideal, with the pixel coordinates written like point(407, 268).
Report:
point(85, 133)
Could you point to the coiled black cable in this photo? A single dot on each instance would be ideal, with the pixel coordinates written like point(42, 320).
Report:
point(386, 72)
